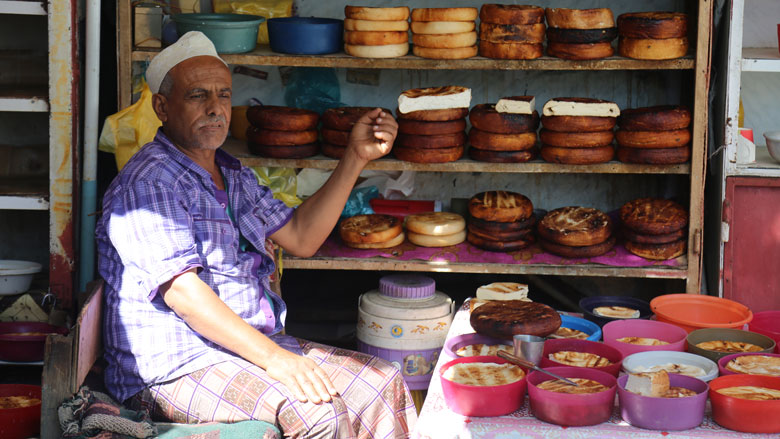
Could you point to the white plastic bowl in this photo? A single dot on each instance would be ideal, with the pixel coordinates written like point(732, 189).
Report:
point(652, 358)
point(16, 276)
point(773, 144)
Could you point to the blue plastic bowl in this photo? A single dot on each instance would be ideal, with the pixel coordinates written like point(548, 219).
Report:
point(305, 35)
point(587, 304)
point(593, 330)
point(230, 33)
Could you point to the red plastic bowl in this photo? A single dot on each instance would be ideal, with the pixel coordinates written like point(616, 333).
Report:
point(25, 348)
point(482, 400)
point(725, 360)
point(672, 334)
point(664, 413)
point(572, 410)
point(767, 323)
point(743, 414)
point(593, 347)
point(22, 422)
point(697, 311)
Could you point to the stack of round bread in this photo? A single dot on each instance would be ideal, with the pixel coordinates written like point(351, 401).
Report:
point(435, 229)
point(376, 32)
point(511, 31)
point(503, 137)
point(655, 228)
point(653, 35)
point(580, 34)
point(578, 131)
point(371, 231)
point(654, 135)
point(444, 33)
point(432, 124)
point(576, 232)
point(282, 132)
point(501, 221)
point(337, 123)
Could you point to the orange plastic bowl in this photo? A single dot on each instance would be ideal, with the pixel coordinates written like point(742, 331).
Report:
point(744, 414)
point(694, 311)
point(482, 400)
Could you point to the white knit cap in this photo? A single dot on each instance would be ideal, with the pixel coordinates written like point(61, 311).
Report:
point(188, 46)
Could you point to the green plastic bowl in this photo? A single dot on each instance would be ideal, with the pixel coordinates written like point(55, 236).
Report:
point(230, 33)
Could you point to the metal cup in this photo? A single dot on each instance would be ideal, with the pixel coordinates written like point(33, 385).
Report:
point(528, 347)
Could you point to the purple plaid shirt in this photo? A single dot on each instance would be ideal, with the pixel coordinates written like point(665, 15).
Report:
point(161, 217)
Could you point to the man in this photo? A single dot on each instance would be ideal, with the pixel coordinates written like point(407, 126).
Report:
point(192, 329)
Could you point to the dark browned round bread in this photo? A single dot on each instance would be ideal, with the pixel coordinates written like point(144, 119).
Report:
point(485, 117)
point(653, 216)
point(581, 36)
point(580, 52)
point(510, 14)
point(284, 151)
point(652, 49)
point(418, 155)
point(658, 252)
point(332, 151)
point(484, 155)
point(590, 251)
point(505, 318)
point(642, 238)
point(406, 126)
point(575, 226)
point(431, 142)
point(501, 142)
point(265, 136)
point(655, 25)
point(335, 137)
point(500, 227)
point(577, 156)
point(510, 50)
point(512, 33)
point(500, 206)
point(573, 124)
point(435, 115)
point(654, 156)
point(657, 118)
point(492, 235)
point(282, 118)
point(343, 118)
point(500, 246)
point(653, 139)
point(576, 139)
point(371, 228)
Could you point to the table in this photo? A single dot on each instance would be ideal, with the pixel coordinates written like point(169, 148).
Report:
point(437, 421)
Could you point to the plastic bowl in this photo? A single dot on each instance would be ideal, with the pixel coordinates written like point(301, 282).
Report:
point(725, 360)
point(571, 410)
point(672, 334)
point(588, 303)
point(773, 138)
point(25, 348)
point(568, 344)
point(305, 35)
point(634, 362)
point(593, 330)
point(743, 414)
point(16, 276)
point(767, 323)
point(482, 400)
point(452, 345)
point(665, 414)
point(22, 422)
point(725, 334)
point(694, 311)
point(230, 33)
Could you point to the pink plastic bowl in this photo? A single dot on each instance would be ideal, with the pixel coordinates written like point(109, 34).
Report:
point(725, 360)
point(482, 400)
point(672, 334)
point(593, 347)
point(664, 413)
point(574, 410)
point(767, 323)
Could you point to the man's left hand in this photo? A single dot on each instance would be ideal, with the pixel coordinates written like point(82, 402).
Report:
point(373, 135)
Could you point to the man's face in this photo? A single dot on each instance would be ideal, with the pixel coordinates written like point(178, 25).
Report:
point(196, 114)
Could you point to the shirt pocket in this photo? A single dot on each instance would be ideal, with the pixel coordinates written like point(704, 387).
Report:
point(213, 232)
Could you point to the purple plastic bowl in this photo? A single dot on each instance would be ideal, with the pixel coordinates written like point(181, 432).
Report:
point(452, 345)
point(571, 410)
point(664, 413)
point(767, 323)
point(593, 347)
point(725, 360)
point(616, 329)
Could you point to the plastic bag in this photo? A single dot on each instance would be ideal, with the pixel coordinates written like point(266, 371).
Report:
point(358, 201)
point(282, 181)
point(263, 8)
point(313, 88)
point(127, 131)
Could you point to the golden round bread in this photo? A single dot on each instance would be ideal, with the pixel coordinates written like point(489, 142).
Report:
point(445, 41)
point(500, 206)
point(653, 139)
point(442, 27)
point(483, 374)
point(437, 141)
point(572, 124)
point(453, 53)
point(497, 227)
point(512, 33)
point(654, 156)
point(643, 238)
point(755, 393)
point(282, 118)
point(657, 118)
point(386, 51)
point(392, 242)
point(581, 36)
point(484, 117)
point(580, 52)
point(376, 14)
point(616, 312)
point(576, 139)
point(584, 386)
point(479, 349)
point(503, 319)
point(284, 151)
point(678, 392)
point(435, 223)
point(575, 226)
point(499, 236)
point(577, 156)
point(370, 228)
point(642, 341)
point(656, 25)
point(344, 118)
point(406, 126)
point(376, 25)
point(265, 136)
point(658, 252)
point(501, 142)
point(444, 14)
point(494, 245)
point(444, 115)
point(375, 38)
point(653, 216)
point(579, 359)
point(418, 155)
point(510, 50)
point(332, 151)
point(598, 18)
point(335, 137)
point(511, 14)
point(423, 240)
point(484, 155)
point(728, 346)
point(646, 48)
point(755, 365)
point(564, 332)
point(578, 252)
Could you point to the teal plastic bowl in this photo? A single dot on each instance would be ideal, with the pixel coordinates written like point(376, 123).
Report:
point(230, 33)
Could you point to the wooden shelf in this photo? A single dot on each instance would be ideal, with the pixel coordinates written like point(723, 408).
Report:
point(24, 194)
point(764, 166)
point(760, 59)
point(27, 7)
point(239, 149)
point(28, 99)
point(262, 55)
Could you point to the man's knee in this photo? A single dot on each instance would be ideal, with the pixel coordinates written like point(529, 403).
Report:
point(308, 420)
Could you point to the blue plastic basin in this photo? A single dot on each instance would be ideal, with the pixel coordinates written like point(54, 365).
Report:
point(305, 35)
point(230, 33)
point(593, 330)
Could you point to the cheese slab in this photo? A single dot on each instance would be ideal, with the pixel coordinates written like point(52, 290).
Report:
point(516, 105)
point(434, 98)
point(580, 107)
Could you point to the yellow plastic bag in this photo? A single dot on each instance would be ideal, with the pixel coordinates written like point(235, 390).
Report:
point(127, 131)
point(263, 8)
point(282, 181)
